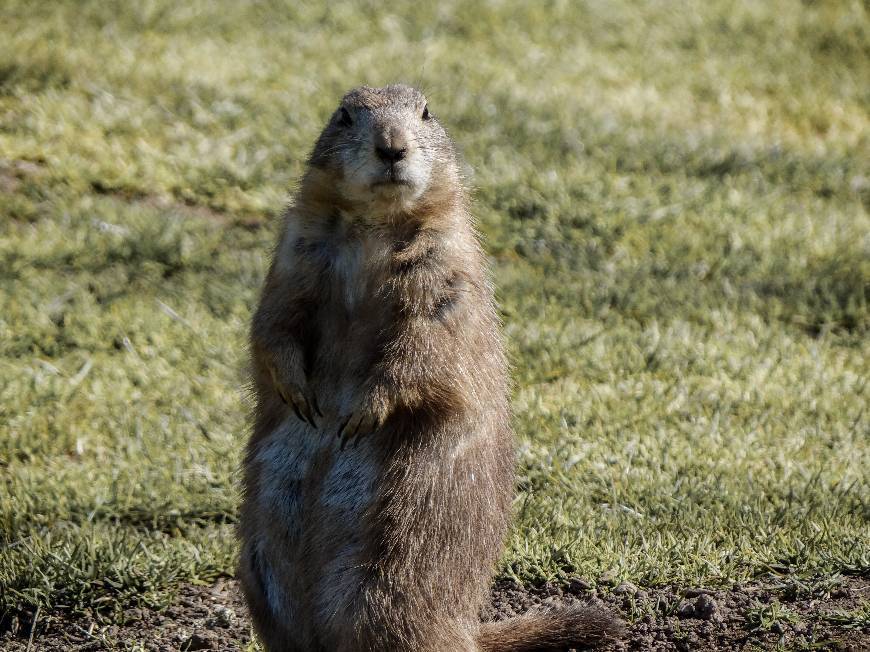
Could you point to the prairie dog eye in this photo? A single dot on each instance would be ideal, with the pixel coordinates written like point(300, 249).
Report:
point(344, 119)
point(426, 112)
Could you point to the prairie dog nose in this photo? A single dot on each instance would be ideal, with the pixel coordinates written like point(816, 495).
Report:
point(391, 145)
point(390, 154)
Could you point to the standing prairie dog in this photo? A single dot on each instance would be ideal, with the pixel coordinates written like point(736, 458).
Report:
point(380, 472)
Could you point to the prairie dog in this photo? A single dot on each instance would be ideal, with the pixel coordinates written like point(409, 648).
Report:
point(380, 471)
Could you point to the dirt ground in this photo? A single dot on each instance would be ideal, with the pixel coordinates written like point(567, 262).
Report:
point(782, 616)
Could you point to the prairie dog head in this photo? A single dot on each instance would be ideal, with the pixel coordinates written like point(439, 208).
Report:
point(384, 150)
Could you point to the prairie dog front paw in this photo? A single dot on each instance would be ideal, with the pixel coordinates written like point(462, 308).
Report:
point(298, 396)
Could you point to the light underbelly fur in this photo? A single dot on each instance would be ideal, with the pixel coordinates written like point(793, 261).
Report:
point(314, 494)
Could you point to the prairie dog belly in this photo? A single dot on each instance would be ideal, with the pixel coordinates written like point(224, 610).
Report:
point(312, 498)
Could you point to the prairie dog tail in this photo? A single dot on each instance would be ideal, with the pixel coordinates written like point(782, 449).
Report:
point(555, 629)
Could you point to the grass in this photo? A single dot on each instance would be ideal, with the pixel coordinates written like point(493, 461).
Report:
point(857, 618)
point(767, 617)
point(675, 199)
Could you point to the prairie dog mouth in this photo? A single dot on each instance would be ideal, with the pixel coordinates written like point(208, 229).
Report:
point(392, 177)
point(392, 182)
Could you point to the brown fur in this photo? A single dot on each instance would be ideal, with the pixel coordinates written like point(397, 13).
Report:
point(379, 475)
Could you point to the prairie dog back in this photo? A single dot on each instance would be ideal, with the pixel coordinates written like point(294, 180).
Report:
point(379, 474)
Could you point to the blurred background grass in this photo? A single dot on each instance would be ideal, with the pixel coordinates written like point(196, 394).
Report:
point(675, 198)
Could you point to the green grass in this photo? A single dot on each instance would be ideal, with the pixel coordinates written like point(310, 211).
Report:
point(857, 618)
point(767, 616)
point(675, 198)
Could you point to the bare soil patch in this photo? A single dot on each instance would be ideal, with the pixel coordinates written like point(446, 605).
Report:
point(774, 615)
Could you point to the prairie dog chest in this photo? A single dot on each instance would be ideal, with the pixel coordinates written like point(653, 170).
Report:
point(356, 271)
point(346, 273)
point(349, 265)
point(351, 318)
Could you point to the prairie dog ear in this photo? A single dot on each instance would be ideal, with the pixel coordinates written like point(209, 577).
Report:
point(343, 117)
